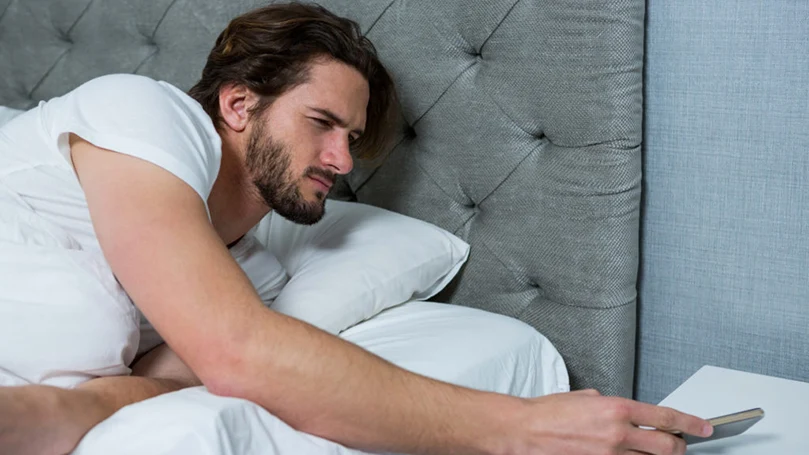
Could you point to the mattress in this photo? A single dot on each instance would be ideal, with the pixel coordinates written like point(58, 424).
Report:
point(456, 344)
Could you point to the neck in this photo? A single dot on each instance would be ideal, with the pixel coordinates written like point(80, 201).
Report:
point(233, 202)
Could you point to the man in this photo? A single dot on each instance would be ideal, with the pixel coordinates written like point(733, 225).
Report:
point(130, 180)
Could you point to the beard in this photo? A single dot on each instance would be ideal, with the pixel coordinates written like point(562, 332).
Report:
point(268, 163)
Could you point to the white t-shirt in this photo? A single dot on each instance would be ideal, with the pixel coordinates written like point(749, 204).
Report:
point(129, 114)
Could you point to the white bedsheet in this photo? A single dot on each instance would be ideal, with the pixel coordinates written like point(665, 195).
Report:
point(455, 344)
point(7, 113)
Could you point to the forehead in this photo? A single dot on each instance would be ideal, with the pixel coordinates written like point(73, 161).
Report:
point(336, 87)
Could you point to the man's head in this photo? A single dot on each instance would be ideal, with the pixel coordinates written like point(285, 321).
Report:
point(305, 90)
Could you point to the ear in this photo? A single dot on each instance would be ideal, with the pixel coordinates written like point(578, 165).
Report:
point(235, 102)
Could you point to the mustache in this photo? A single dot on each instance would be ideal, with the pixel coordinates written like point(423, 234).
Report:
point(323, 174)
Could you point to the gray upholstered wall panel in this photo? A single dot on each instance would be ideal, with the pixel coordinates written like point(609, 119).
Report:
point(523, 129)
point(527, 145)
point(725, 274)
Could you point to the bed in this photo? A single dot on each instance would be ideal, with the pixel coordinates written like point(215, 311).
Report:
point(520, 133)
point(460, 345)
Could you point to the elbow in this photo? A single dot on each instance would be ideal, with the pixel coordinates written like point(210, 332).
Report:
point(225, 375)
point(234, 362)
point(235, 375)
point(220, 385)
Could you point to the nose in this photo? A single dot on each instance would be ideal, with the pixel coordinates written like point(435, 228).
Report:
point(337, 155)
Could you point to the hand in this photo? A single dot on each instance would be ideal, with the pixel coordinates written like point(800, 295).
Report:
point(584, 422)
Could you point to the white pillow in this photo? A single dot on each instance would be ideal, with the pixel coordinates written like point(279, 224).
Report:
point(357, 261)
point(7, 113)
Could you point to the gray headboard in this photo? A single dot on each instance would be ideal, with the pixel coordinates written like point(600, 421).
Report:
point(522, 136)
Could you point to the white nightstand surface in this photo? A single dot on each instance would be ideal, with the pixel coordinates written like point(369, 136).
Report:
point(714, 391)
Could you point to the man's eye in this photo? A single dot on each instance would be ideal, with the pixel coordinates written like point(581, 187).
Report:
point(322, 122)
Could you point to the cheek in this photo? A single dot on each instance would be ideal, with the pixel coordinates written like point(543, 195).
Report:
point(305, 144)
point(293, 138)
point(302, 157)
point(308, 150)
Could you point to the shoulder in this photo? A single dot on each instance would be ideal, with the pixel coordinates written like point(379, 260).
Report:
point(138, 106)
point(121, 82)
point(149, 119)
point(131, 95)
point(123, 88)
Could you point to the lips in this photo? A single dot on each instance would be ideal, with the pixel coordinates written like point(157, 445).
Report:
point(326, 183)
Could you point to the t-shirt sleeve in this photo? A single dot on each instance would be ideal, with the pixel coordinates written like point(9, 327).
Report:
point(146, 119)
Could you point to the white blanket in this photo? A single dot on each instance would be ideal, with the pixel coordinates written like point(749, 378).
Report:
point(7, 113)
point(455, 344)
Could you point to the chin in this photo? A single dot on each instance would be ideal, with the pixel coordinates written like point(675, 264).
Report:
point(306, 213)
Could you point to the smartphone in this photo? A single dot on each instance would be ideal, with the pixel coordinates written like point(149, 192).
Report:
point(728, 425)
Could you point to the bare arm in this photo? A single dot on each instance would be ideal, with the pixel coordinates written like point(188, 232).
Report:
point(158, 372)
point(47, 420)
point(155, 233)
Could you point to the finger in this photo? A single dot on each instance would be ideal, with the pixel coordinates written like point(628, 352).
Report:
point(587, 392)
point(668, 419)
point(655, 442)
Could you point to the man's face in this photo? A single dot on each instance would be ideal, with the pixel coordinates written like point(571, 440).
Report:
point(298, 146)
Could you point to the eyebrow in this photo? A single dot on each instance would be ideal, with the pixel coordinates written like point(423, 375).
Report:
point(334, 118)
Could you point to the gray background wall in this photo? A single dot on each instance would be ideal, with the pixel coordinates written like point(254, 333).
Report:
point(725, 236)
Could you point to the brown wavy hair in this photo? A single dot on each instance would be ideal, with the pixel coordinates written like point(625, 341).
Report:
point(270, 50)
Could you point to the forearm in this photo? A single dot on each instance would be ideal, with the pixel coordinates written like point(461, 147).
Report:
point(158, 372)
point(74, 412)
point(326, 386)
point(100, 398)
point(207, 310)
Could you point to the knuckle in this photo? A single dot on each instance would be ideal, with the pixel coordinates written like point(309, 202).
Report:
point(672, 445)
point(614, 438)
point(618, 437)
point(619, 410)
point(668, 446)
point(668, 418)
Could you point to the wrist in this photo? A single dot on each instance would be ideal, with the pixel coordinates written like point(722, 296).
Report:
point(502, 415)
point(78, 411)
point(60, 415)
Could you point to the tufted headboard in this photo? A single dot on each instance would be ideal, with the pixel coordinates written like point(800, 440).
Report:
point(522, 135)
